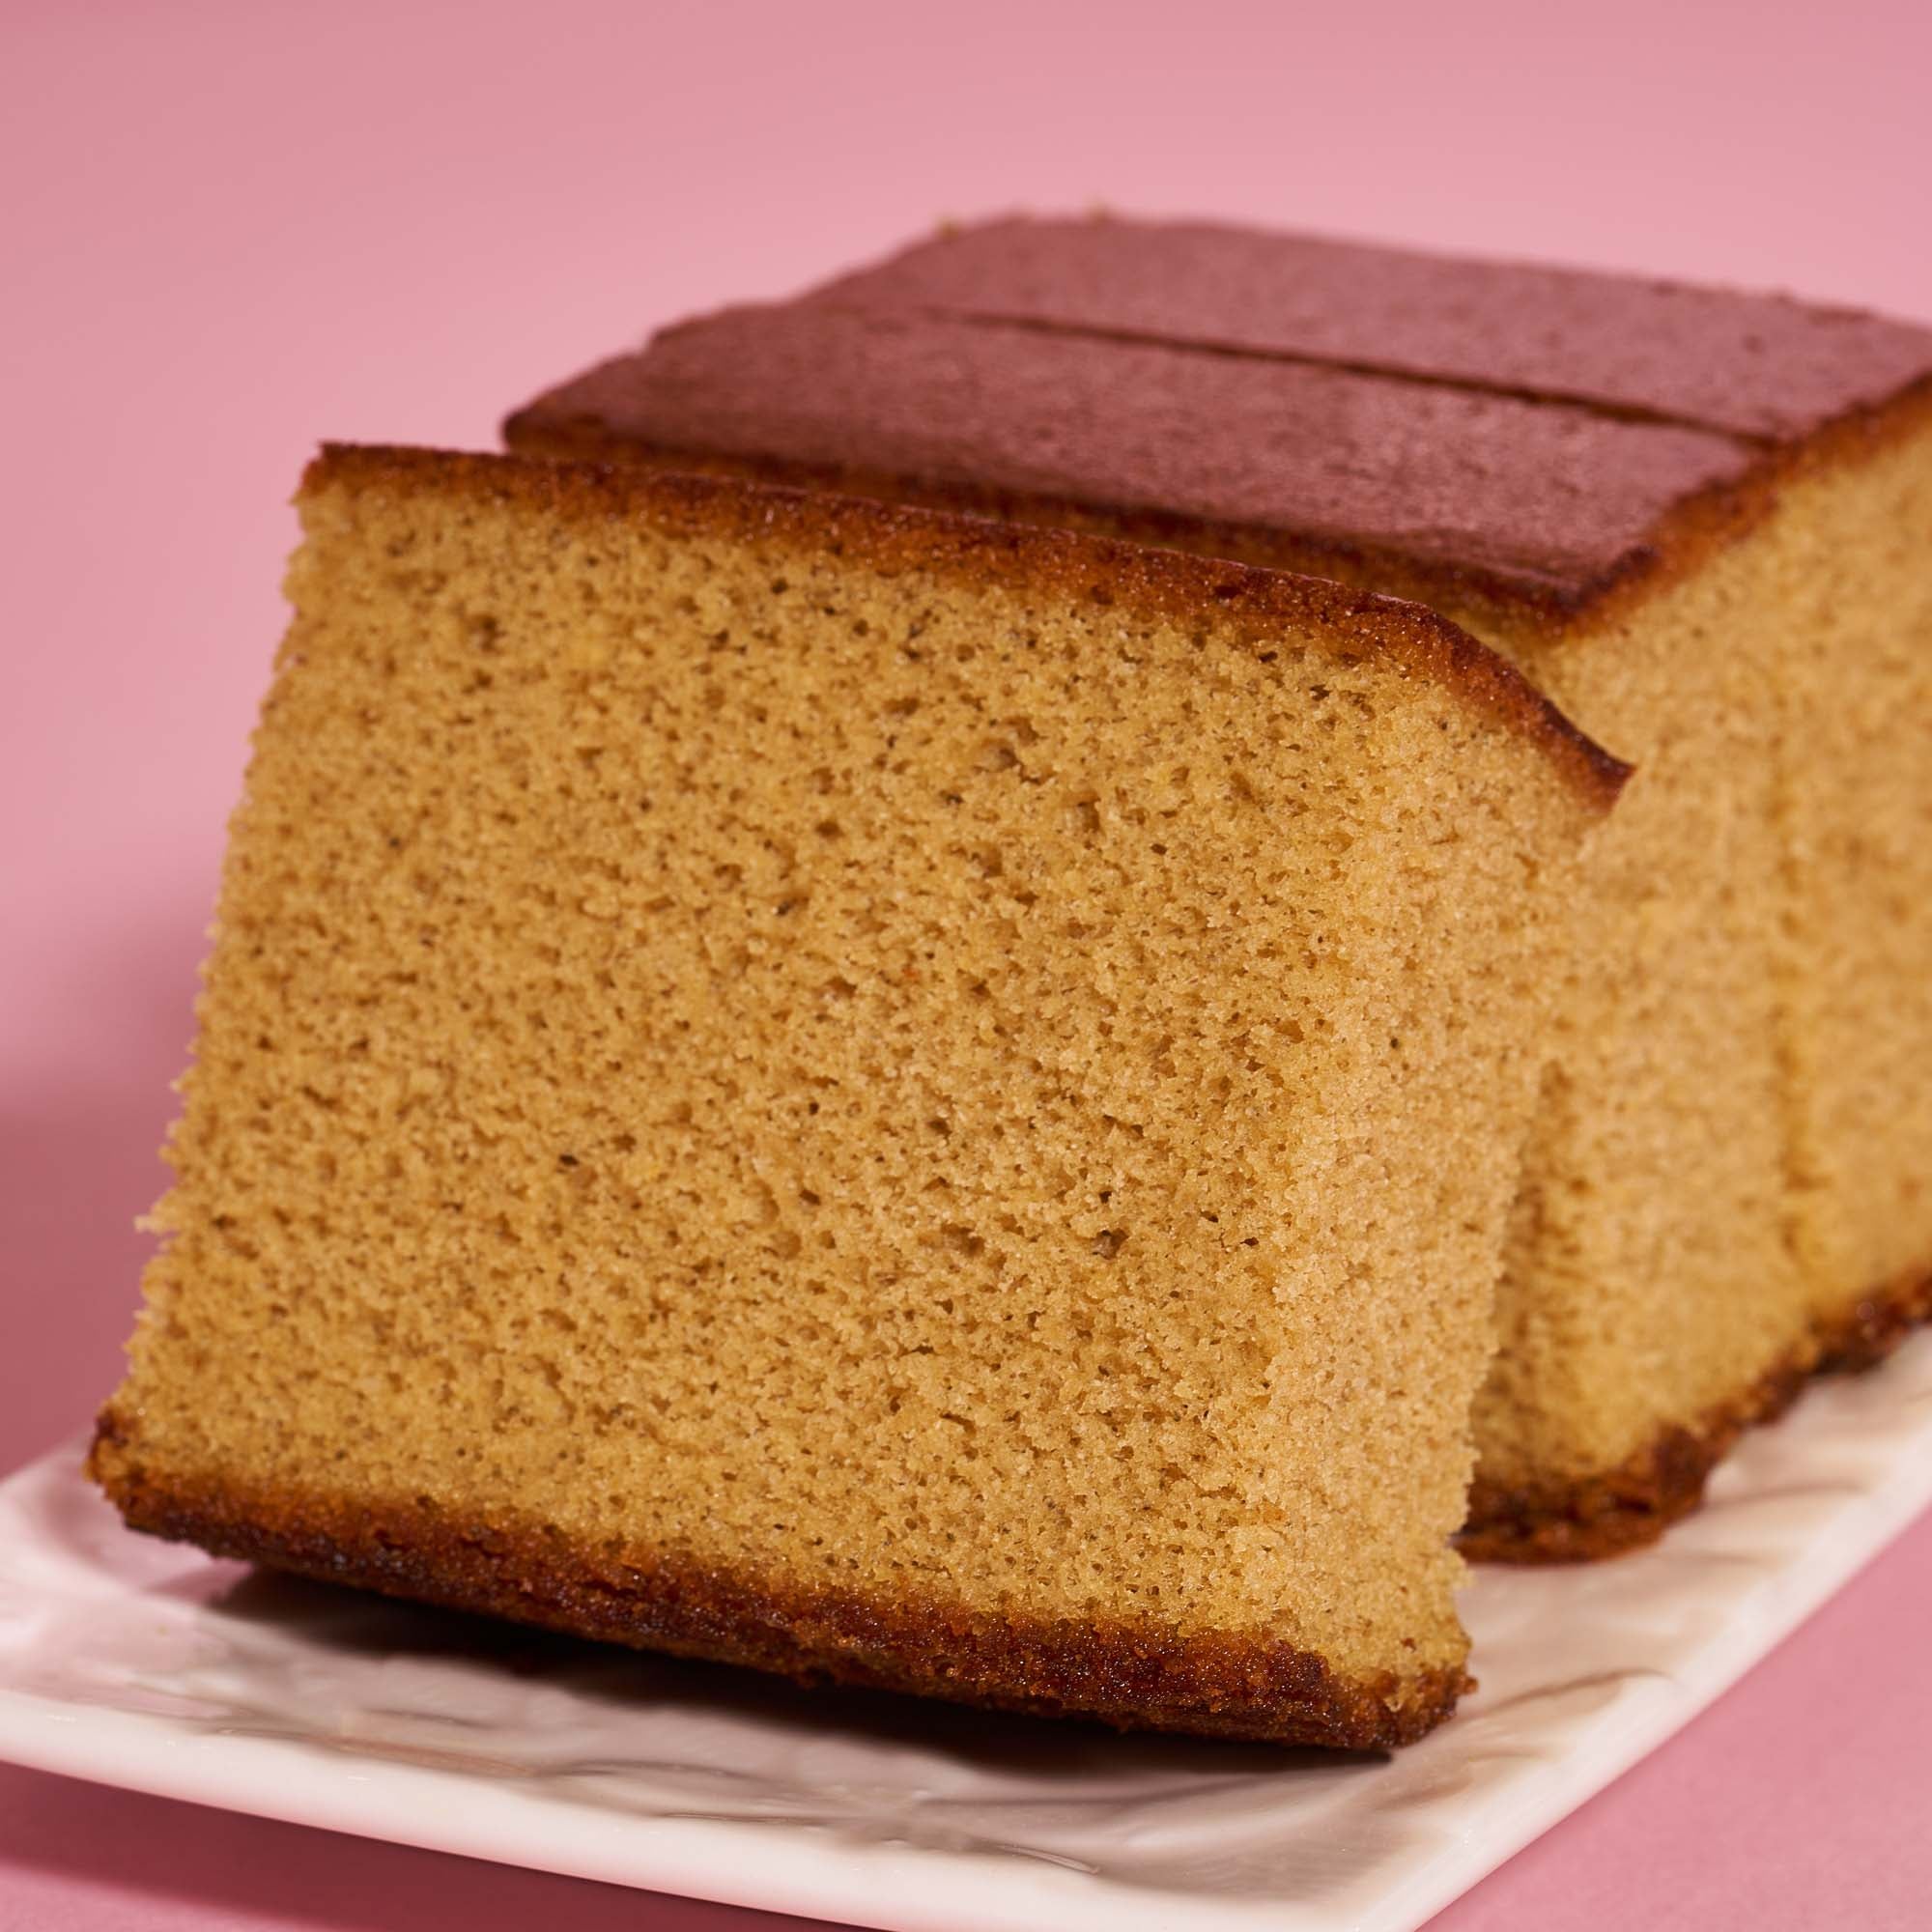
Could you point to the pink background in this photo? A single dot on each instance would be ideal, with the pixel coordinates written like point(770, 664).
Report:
point(228, 230)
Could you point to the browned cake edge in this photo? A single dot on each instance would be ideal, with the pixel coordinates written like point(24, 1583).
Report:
point(1226, 1685)
point(1682, 539)
point(1631, 1506)
point(1163, 584)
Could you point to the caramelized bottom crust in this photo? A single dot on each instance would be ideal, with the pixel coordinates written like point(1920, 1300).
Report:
point(1134, 1678)
point(1634, 1504)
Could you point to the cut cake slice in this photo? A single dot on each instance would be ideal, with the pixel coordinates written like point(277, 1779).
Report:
point(1701, 520)
point(862, 1093)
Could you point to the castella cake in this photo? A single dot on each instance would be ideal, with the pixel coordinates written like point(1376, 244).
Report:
point(865, 1092)
point(1701, 520)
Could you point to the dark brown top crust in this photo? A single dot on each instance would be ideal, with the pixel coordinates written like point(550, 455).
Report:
point(1758, 365)
point(1539, 496)
point(1229, 1685)
point(1162, 584)
point(1494, 435)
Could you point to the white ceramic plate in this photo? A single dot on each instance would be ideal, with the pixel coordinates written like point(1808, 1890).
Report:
point(142, 1664)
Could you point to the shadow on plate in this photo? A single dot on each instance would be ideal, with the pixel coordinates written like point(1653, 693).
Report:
point(352, 1622)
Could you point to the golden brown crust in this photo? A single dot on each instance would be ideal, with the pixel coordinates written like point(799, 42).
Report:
point(1631, 1506)
point(1625, 1508)
point(1458, 585)
point(1159, 584)
point(1134, 1678)
point(1864, 1335)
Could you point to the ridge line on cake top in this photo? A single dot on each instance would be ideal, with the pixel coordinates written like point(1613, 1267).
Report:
point(1387, 372)
point(1764, 365)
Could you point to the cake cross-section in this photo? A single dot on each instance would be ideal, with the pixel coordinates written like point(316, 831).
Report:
point(863, 1093)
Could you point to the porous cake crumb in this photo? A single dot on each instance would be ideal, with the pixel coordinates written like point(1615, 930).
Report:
point(862, 1093)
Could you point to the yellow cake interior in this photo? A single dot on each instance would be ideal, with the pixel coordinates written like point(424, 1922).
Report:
point(1737, 1158)
point(897, 1078)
